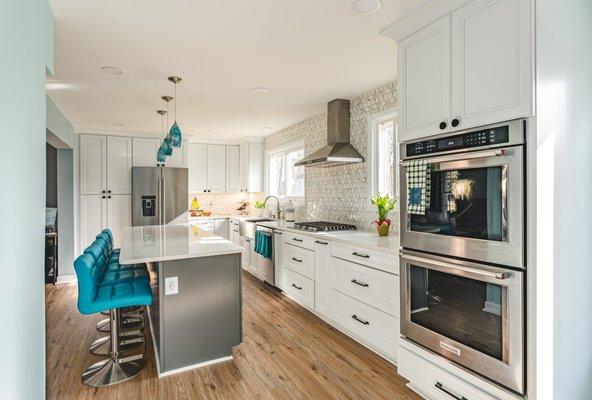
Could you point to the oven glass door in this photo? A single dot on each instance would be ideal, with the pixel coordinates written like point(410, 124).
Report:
point(467, 312)
point(475, 208)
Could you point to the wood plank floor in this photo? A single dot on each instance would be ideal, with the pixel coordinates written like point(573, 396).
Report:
point(287, 353)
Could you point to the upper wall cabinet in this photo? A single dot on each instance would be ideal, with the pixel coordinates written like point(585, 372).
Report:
point(463, 64)
point(232, 168)
point(197, 167)
point(251, 167)
point(145, 150)
point(424, 79)
point(105, 164)
point(216, 169)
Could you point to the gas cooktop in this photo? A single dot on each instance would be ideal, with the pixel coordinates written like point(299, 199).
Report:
point(319, 226)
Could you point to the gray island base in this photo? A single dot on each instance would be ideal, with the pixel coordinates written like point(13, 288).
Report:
point(196, 314)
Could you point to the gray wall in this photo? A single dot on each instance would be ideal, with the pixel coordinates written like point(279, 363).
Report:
point(65, 193)
point(26, 40)
point(564, 139)
point(51, 176)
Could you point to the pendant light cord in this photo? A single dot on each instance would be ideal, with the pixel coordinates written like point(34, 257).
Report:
point(175, 101)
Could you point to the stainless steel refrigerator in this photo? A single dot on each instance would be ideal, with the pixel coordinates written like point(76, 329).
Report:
point(159, 196)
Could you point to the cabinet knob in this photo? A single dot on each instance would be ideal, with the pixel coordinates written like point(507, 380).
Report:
point(455, 122)
point(104, 196)
point(108, 191)
point(443, 125)
point(103, 191)
point(108, 197)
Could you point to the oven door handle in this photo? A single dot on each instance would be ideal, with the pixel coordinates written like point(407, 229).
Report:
point(442, 266)
point(459, 157)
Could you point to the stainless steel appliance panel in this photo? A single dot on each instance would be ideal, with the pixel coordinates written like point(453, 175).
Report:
point(501, 185)
point(174, 195)
point(145, 189)
point(467, 312)
point(266, 266)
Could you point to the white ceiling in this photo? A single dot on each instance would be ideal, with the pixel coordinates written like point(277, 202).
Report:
point(306, 52)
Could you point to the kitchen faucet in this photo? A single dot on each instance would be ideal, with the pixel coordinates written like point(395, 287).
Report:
point(277, 209)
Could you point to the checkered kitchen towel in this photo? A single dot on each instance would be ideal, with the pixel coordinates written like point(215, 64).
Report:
point(418, 186)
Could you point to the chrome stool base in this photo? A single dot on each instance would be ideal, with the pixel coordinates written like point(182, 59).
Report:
point(132, 323)
point(102, 346)
point(112, 371)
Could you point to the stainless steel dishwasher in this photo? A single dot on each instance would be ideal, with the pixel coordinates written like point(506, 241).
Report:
point(265, 266)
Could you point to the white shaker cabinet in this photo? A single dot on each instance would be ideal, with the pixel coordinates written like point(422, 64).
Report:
point(105, 165)
point(93, 169)
point(232, 168)
point(197, 167)
point(251, 167)
point(471, 66)
point(491, 62)
point(119, 165)
point(216, 168)
point(119, 216)
point(144, 152)
point(177, 159)
point(93, 217)
point(424, 81)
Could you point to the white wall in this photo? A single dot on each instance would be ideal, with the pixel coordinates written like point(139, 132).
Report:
point(26, 40)
point(564, 140)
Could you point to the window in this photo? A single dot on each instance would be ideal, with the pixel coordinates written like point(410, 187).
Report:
point(285, 180)
point(382, 155)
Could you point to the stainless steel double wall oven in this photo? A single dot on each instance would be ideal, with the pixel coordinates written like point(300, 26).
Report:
point(463, 251)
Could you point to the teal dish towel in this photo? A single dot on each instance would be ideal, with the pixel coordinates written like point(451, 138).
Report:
point(263, 244)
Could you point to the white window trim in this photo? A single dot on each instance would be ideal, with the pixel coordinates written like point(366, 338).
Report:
point(372, 166)
point(297, 145)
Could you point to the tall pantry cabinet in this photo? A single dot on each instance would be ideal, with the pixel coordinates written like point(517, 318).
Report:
point(105, 186)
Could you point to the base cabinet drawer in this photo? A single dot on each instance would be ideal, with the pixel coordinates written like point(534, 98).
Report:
point(298, 288)
point(383, 261)
point(373, 287)
point(432, 382)
point(374, 326)
point(296, 239)
point(299, 260)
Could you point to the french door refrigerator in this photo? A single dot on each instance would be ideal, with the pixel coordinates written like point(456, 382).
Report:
point(159, 196)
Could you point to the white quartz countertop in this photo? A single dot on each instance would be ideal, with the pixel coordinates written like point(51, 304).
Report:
point(171, 242)
point(367, 240)
point(221, 216)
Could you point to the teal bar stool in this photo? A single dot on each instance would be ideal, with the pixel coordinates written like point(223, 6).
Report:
point(93, 297)
point(131, 322)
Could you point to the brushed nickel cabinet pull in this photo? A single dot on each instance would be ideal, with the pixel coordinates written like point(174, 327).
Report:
point(357, 282)
point(360, 320)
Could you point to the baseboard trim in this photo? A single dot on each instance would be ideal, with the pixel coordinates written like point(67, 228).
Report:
point(66, 278)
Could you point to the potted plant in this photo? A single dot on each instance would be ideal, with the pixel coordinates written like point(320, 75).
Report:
point(384, 204)
point(260, 206)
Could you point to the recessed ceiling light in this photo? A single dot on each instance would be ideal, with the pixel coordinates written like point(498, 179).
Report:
point(119, 124)
point(108, 69)
point(366, 6)
point(260, 90)
point(267, 129)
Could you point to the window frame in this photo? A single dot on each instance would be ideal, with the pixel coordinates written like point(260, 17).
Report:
point(372, 162)
point(285, 149)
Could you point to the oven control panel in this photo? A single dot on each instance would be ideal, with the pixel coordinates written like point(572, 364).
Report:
point(486, 137)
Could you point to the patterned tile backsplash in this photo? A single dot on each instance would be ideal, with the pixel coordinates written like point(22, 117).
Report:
point(225, 203)
point(339, 193)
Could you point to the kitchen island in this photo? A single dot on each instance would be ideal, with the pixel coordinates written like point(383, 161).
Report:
point(195, 276)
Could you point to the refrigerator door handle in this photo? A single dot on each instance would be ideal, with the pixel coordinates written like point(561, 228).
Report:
point(163, 202)
point(158, 199)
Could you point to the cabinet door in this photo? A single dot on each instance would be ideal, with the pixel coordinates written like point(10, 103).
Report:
point(322, 276)
point(424, 81)
point(93, 218)
point(255, 167)
point(176, 160)
point(144, 152)
point(216, 168)
point(197, 167)
point(491, 62)
point(253, 267)
point(119, 165)
point(232, 168)
point(246, 245)
point(93, 171)
point(244, 167)
point(119, 216)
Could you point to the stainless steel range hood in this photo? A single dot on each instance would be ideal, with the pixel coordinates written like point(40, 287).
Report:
point(338, 150)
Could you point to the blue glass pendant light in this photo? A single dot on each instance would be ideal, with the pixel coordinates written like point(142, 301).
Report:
point(175, 134)
point(163, 151)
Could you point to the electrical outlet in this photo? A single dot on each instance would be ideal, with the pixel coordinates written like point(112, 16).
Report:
point(171, 285)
